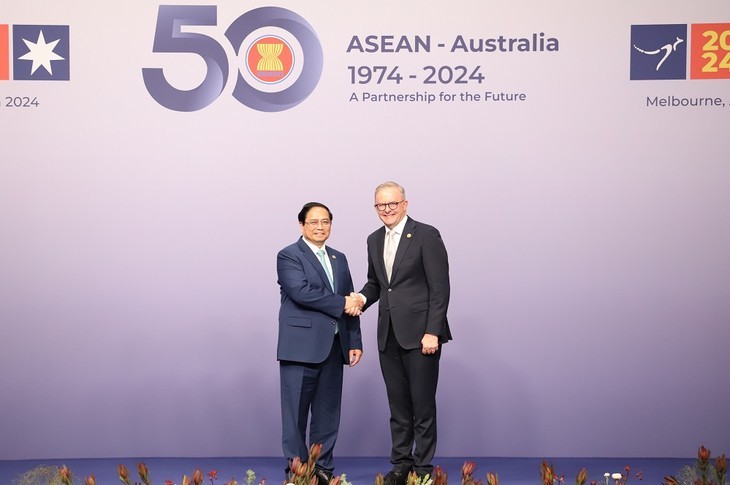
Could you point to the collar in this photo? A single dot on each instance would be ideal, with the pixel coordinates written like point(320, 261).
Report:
point(399, 228)
point(313, 247)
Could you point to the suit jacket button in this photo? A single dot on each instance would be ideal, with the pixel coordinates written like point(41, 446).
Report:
point(389, 290)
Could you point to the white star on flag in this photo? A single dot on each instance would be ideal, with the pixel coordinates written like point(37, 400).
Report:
point(41, 53)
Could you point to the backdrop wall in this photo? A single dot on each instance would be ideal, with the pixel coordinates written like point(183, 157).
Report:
point(584, 211)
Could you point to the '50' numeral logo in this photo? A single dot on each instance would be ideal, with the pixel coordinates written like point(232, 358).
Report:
point(279, 49)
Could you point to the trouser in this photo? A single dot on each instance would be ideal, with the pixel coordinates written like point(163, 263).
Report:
point(316, 389)
point(410, 381)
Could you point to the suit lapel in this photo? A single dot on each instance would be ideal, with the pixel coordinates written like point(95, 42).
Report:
point(379, 250)
point(312, 258)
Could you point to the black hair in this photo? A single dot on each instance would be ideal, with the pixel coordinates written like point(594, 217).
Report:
point(309, 206)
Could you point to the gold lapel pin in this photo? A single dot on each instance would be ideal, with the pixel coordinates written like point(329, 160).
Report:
point(408, 235)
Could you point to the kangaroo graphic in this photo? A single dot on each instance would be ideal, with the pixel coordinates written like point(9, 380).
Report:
point(667, 49)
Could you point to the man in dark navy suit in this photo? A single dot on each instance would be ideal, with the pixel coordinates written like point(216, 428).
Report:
point(319, 332)
point(408, 272)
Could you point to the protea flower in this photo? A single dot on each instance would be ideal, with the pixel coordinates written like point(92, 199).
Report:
point(65, 475)
point(412, 478)
point(144, 473)
point(314, 451)
point(547, 473)
point(582, 476)
point(671, 480)
point(197, 477)
point(90, 480)
point(492, 479)
point(294, 466)
point(123, 474)
point(703, 461)
point(299, 468)
point(467, 469)
point(439, 476)
point(721, 468)
point(703, 456)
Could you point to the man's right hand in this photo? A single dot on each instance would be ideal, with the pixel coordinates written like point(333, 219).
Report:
point(353, 306)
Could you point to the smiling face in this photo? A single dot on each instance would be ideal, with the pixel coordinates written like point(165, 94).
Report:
point(384, 199)
point(317, 226)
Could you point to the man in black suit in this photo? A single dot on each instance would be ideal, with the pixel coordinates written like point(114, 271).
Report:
point(319, 332)
point(408, 272)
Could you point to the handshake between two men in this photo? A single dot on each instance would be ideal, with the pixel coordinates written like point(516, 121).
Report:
point(354, 304)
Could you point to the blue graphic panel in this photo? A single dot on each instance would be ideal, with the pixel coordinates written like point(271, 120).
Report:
point(659, 51)
point(41, 52)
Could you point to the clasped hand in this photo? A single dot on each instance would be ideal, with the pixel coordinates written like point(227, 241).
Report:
point(353, 305)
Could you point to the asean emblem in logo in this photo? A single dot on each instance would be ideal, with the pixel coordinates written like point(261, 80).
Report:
point(270, 59)
point(278, 58)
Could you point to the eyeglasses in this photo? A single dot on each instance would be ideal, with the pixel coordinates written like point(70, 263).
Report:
point(324, 222)
point(390, 205)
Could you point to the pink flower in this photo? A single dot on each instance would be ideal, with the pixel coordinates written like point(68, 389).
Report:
point(721, 464)
point(123, 474)
point(143, 472)
point(439, 476)
point(703, 455)
point(65, 474)
point(213, 475)
point(314, 451)
point(547, 473)
point(467, 469)
point(492, 479)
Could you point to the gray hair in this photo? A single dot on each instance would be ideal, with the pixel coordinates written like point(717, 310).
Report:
point(391, 184)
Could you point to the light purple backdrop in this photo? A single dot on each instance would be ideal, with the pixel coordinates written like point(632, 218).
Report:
point(588, 238)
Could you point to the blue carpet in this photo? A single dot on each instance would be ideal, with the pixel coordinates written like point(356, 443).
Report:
point(359, 471)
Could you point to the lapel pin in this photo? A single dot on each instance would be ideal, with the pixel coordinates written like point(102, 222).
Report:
point(334, 257)
point(408, 235)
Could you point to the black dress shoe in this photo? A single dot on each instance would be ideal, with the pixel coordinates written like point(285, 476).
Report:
point(323, 476)
point(395, 478)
